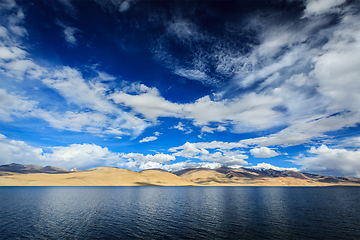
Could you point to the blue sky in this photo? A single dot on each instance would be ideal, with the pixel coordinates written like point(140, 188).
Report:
point(178, 84)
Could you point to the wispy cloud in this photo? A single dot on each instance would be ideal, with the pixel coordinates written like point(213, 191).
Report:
point(69, 33)
point(317, 7)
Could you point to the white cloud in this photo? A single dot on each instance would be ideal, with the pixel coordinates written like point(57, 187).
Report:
point(184, 30)
point(221, 128)
point(148, 139)
point(14, 21)
point(124, 5)
point(207, 129)
point(350, 142)
point(81, 156)
point(188, 164)
point(211, 130)
point(75, 121)
point(317, 7)
point(115, 5)
point(201, 146)
point(69, 7)
point(188, 150)
point(7, 4)
point(267, 166)
point(327, 98)
point(251, 111)
point(221, 156)
point(69, 33)
point(105, 117)
point(150, 165)
point(305, 131)
point(193, 74)
point(148, 102)
point(14, 60)
point(181, 127)
point(8, 53)
point(12, 105)
point(328, 161)
point(336, 69)
point(70, 84)
point(141, 161)
point(263, 152)
point(158, 157)
point(228, 158)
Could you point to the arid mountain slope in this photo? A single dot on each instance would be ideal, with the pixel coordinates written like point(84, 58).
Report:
point(29, 168)
point(102, 176)
point(250, 177)
point(31, 175)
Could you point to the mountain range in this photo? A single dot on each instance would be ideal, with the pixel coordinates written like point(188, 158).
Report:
point(33, 175)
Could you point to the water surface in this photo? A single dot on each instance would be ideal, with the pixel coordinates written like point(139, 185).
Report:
point(179, 213)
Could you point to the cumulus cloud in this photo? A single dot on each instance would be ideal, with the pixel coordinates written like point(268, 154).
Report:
point(148, 139)
point(267, 166)
point(225, 158)
point(158, 157)
point(201, 146)
point(263, 152)
point(223, 155)
point(331, 161)
point(188, 164)
point(81, 156)
point(141, 161)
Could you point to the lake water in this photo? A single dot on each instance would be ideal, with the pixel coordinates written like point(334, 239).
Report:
point(179, 213)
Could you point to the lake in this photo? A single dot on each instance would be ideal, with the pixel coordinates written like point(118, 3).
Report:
point(179, 212)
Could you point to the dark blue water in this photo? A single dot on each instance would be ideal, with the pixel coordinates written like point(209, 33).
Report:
point(179, 213)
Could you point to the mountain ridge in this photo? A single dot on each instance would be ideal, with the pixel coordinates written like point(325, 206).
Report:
point(33, 175)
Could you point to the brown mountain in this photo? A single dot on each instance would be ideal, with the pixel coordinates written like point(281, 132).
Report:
point(29, 168)
point(101, 176)
point(32, 175)
point(252, 177)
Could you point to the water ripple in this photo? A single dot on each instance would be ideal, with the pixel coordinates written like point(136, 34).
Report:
point(179, 213)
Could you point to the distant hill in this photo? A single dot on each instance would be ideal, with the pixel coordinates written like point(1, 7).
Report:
point(101, 176)
point(248, 176)
point(29, 168)
point(32, 175)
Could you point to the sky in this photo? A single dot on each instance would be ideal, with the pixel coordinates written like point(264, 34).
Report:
point(180, 84)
